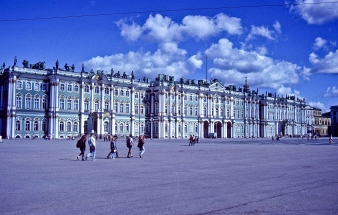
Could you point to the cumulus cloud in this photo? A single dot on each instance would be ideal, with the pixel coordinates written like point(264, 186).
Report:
point(265, 32)
point(316, 11)
point(232, 65)
point(328, 64)
point(331, 92)
point(318, 105)
point(319, 43)
point(164, 29)
point(168, 59)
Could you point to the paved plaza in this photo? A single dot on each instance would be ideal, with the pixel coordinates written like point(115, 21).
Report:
point(216, 176)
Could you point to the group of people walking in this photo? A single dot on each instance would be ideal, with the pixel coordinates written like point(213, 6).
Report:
point(81, 144)
point(193, 140)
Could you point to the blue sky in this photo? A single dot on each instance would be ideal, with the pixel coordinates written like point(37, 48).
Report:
point(287, 47)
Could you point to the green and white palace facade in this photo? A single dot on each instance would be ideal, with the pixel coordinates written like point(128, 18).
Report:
point(61, 103)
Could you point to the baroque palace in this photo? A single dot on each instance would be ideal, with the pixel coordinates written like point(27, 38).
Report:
point(61, 103)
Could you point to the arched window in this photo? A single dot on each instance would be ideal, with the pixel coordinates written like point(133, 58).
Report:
point(121, 127)
point(27, 126)
point(105, 126)
point(127, 127)
point(106, 105)
point(19, 84)
point(37, 102)
point(121, 93)
point(69, 103)
point(17, 125)
point(28, 101)
point(116, 92)
point(36, 126)
point(127, 93)
point(142, 110)
point(44, 126)
point(85, 126)
point(76, 104)
point(28, 85)
point(86, 89)
point(97, 90)
point(121, 107)
point(116, 128)
point(61, 126)
point(106, 91)
point(62, 87)
point(76, 127)
point(18, 101)
point(62, 103)
point(86, 105)
point(44, 102)
point(69, 126)
point(96, 105)
point(127, 108)
point(69, 88)
point(76, 88)
point(36, 86)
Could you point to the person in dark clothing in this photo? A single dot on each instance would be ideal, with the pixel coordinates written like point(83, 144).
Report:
point(140, 145)
point(82, 146)
point(113, 148)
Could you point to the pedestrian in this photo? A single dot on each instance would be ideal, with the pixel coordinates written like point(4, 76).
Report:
point(92, 146)
point(113, 148)
point(191, 139)
point(140, 145)
point(130, 144)
point(81, 143)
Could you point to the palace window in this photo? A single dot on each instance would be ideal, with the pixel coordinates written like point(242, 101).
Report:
point(166, 109)
point(28, 86)
point(106, 105)
point(116, 92)
point(69, 88)
point(185, 110)
point(62, 87)
point(28, 102)
point(97, 90)
point(69, 126)
point(196, 111)
point(127, 93)
point(36, 86)
point(36, 126)
point(76, 88)
point(19, 84)
point(142, 110)
point(156, 108)
point(17, 125)
point(86, 89)
point(37, 102)
point(121, 93)
point(69, 103)
point(116, 127)
point(62, 103)
point(190, 110)
point(96, 105)
point(179, 110)
point(27, 126)
point(190, 97)
point(44, 102)
point(18, 101)
point(205, 111)
point(44, 126)
point(147, 109)
point(136, 95)
point(127, 127)
point(76, 104)
point(106, 91)
point(105, 126)
point(61, 126)
point(121, 107)
point(121, 127)
point(86, 105)
point(136, 109)
point(127, 108)
point(115, 107)
point(76, 127)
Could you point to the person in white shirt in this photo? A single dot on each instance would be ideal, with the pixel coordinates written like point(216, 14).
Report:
point(92, 146)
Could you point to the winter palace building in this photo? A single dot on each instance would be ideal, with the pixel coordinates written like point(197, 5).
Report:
point(62, 103)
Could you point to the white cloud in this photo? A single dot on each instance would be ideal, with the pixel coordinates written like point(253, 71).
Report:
point(232, 65)
point(319, 43)
point(328, 64)
point(265, 32)
point(316, 11)
point(168, 59)
point(130, 32)
point(317, 105)
point(331, 92)
point(164, 29)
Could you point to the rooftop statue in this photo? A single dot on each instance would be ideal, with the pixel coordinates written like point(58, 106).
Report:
point(25, 63)
point(82, 70)
point(57, 64)
point(15, 61)
point(66, 67)
point(73, 68)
